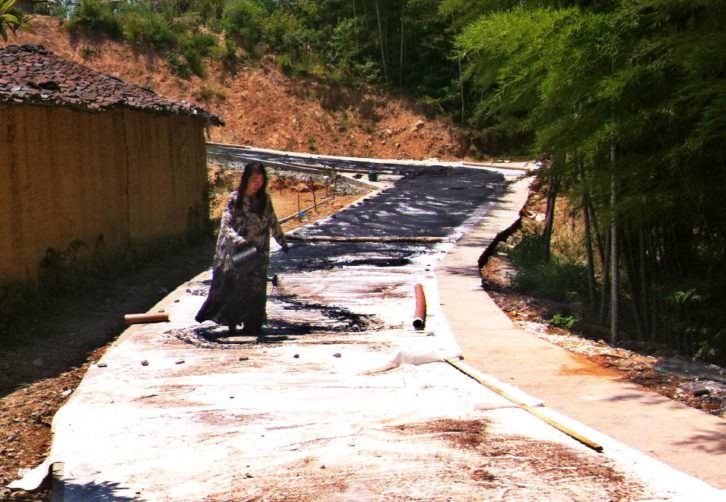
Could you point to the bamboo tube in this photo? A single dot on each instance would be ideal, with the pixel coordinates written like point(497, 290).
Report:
point(148, 317)
point(419, 320)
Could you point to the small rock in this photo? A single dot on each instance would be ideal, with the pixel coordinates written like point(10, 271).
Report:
point(322, 466)
point(179, 361)
point(104, 365)
point(296, 356)
point(249, 476)
point(144, 363)
point(244, 358)
point(38, 362)
point(700, 390)
point(337, 354)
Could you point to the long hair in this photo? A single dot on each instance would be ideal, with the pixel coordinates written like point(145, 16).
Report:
point(259, 200)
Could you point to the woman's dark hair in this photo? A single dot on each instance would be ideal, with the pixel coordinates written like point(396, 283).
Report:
point(259, 200)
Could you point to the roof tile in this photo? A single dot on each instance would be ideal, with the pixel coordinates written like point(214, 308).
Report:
point(32, 74)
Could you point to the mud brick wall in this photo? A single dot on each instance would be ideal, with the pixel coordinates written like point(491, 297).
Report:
point(103, 178)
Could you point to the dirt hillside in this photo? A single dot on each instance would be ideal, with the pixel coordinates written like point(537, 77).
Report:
point(265, 108)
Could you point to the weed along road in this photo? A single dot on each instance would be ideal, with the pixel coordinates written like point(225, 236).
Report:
point(343, 399)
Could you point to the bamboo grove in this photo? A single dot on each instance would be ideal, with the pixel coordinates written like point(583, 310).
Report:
point(628, 100)
point(625, 97)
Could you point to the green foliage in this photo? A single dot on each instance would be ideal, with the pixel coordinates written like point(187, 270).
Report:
point(96, 15)
point(146, 28)
point(165, 27)
point(563, 321)
point(624, 95)
point(685, 298)
point(712, 347)
point(195, 48)
point(556, 280)
point(178, 67)
point(242, 20)
point(529, 251)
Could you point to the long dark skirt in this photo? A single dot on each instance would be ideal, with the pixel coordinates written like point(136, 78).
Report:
point(237, 296)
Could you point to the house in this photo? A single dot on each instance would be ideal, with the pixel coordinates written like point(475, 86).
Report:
point(90, 161)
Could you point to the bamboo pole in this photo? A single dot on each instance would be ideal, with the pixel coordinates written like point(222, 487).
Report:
point(472, 373)
point(366, 238)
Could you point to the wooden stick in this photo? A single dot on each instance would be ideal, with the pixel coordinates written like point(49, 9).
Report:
point(365, 238)
point(148, 317)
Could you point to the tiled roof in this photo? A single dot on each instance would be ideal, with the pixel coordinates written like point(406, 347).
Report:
point(32, 74)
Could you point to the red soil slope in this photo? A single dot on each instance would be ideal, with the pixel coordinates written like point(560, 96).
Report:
point(265, 108)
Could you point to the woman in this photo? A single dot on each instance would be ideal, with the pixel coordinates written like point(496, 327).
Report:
point(239, 274)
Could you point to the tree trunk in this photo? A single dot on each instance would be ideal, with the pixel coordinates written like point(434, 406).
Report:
point(590, 255)
point(381, 42)
point(604, 303)
point(631, 266)
point(614, 261)
point(461, 90)
point(550, 218)
point(644, 281)
point(401, 54)
point(588, 239)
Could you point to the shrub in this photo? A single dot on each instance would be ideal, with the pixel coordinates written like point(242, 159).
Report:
point(242, 20)
point(96, 15)
point(195, 48)
point(556, 279)
point(563, 321)
point(529, 252)
point(177, 66)
point(143, 27)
